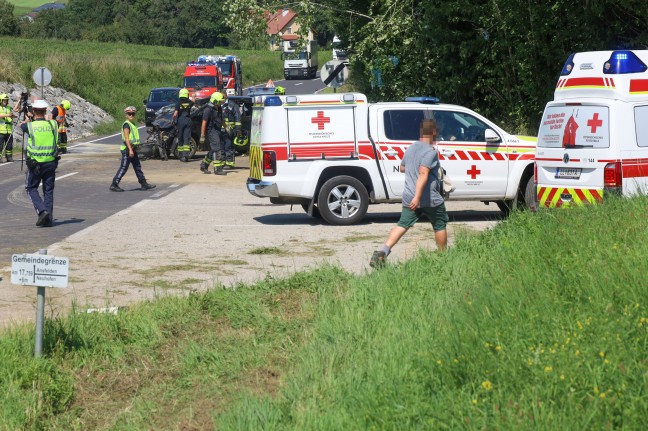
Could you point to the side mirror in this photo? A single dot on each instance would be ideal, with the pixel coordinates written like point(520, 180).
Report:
point(491, 136)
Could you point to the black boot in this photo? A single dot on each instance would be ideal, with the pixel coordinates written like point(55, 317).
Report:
point(115, 188)
point(204, 167)
point(147, 186)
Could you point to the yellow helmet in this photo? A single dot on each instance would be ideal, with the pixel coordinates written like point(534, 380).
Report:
point(217, 97)
point(280, 90)
point(66, 104)
point(4, 96)
point(183, 92)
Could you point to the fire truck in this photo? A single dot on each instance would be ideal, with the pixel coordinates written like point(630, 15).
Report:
point(202, 78)
point(230, 68)
point(334, 154)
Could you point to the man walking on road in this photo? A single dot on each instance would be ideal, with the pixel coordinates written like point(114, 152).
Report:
point(41, 137)
point(421, 195)
point(129, 149)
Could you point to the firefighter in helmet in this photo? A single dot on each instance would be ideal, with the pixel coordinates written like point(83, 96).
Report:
point(280, 91)
point(6, 128)
point(212, 123)
point(59, 114)
point(231, 130)
point(182, 120)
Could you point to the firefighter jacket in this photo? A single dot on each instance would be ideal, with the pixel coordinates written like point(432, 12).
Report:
point(42, 140)
point(61, 119)
point(232, 117)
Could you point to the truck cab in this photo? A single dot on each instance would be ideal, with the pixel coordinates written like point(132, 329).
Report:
point(301, 63)
point(202, 78)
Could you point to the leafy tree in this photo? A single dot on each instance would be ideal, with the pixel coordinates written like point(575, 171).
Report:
point(8, 23)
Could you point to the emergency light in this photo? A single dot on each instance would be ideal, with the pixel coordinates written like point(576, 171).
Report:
point(622, 62)
point(569, 65)
point(423, 99)
point(273, 101)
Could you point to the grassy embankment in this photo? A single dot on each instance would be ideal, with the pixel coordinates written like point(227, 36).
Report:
point(539, 323)
point(112, 75)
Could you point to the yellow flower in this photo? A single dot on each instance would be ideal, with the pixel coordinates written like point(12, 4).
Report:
point(439, 362)
point(487, 385)
point(562, 377)
point(548, 369)
point(474, 401)
point(605, 361)
point(596, 390)
point(498, 348)
point(602, 354)
point(602, 396)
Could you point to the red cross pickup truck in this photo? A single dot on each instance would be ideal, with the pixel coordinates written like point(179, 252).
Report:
point(334, 154)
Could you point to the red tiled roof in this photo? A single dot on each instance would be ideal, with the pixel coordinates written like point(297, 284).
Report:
point(279, 20)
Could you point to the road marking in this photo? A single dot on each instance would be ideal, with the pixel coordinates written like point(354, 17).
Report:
point(299, 83)
point(5, 164)
point(99, 139)
point(66, 175)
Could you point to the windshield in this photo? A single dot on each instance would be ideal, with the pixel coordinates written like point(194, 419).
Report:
point(200, 81)
point(225, 67)
point(576, 126)
point(296, 56)
point(163, 96)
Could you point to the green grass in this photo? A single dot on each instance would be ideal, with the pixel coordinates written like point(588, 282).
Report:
point(539, 323)
point(22, 7)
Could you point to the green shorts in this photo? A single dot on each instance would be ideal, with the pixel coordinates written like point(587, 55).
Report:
point(438, 216)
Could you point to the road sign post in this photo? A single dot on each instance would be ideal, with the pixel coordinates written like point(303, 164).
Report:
point(41, 271)
point(42, 77)
point(334, 73)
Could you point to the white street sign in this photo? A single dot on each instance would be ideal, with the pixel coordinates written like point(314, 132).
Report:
point(334, 73)
point(42, 76)
point(39, 270)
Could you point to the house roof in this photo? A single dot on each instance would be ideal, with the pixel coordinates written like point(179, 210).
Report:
point(279, 20)
point(290, 37)
point(48, 6)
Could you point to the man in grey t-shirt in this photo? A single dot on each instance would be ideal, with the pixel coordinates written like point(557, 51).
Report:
point(421, 194)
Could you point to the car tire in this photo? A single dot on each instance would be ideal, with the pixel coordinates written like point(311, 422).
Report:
point(343, 201)
point(530, 195)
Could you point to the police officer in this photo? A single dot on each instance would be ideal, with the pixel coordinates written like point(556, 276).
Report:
point(232, 129)
point(129, 149)
point(212, 123)
point(6, 128)
point(41, 137)
point(182, 119)
point(59, 114)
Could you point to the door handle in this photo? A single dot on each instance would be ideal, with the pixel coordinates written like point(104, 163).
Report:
point(447, 153)
point(391, 153)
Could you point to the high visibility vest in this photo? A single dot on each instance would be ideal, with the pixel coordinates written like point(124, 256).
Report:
point(133, 136)
point(60, 119)
point(6, 122)
point(42, 140)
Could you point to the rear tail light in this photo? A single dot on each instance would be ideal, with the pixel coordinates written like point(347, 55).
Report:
point(612, 177)
point(269, 163)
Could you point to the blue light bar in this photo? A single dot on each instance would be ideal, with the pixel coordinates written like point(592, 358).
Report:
point(273, 101)
point(569, 65)
point(423, 99)
point(622, 62)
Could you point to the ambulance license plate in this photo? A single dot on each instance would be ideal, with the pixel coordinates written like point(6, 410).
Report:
point(570, 173)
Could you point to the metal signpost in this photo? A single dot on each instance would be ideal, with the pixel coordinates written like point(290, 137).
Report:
point(41, 271)
point(334, 73)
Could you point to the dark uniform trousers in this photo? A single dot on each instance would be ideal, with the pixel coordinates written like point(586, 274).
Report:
point(45, 173)
point(126, 162)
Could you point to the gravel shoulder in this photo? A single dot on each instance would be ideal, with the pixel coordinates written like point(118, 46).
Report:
point(205, 231)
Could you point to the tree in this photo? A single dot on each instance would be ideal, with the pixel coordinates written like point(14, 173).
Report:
point(8, 23)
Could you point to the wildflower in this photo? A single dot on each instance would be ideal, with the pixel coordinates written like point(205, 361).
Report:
point(562, 377)
point(548, 369)
point(474, 401)
point(606, 361)
point(596, 389)
point(439, 362)
point(487, 385)
point(602, 396)
point(602, 354)
point(498, 348)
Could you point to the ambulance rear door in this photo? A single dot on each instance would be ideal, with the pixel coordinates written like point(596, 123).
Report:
point(572, 153)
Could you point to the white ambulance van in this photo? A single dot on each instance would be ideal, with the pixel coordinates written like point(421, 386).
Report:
point(593, 137)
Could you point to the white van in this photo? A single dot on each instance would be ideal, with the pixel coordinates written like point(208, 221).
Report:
point(593, 137)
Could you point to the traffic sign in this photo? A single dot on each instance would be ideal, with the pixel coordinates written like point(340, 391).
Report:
point(334, 73)
point(39, 270)
point(42, 76)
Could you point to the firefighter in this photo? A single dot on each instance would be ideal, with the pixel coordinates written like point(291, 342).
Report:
point(59, 114)
point(182, 120)
point(279, 90)
point(212, 122)
point(6, 128)
point(232, 129)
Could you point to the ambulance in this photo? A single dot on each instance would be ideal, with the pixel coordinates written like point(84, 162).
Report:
point(335, 154)
point(593, 137)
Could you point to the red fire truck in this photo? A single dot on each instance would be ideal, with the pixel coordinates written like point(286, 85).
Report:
point(202, 78)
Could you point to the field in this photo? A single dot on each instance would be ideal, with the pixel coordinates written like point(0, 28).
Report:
point(22, 7)
point(539, 323)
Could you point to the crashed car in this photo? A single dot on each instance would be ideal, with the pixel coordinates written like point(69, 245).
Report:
point(162, 141)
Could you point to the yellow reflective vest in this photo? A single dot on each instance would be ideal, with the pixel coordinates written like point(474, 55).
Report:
point(42, 140)
point(133, 136)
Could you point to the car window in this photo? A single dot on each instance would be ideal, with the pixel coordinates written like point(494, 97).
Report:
point(164, 96)
point(200, 81)
point(641, 125)
point(404, 124)
point(460, 126)
point(225, 67)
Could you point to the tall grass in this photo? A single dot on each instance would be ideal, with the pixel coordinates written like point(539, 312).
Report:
point(539, 323)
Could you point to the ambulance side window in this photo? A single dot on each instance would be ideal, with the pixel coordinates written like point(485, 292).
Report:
point(641, 125)
point(403, 124)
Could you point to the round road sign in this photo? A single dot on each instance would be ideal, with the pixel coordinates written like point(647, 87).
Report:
point(42, 76)
point(334, 73)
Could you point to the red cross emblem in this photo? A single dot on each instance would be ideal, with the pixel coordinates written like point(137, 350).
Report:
point(594, 123)
point(473, 172)
point(320, 120)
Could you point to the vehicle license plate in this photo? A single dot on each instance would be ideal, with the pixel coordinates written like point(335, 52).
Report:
point(570, 173)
